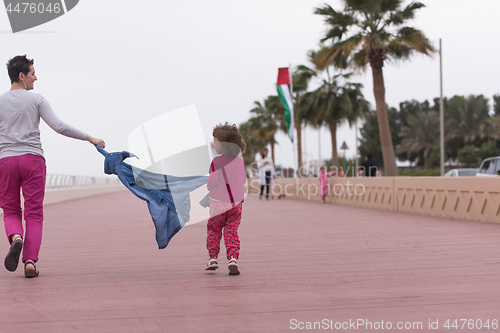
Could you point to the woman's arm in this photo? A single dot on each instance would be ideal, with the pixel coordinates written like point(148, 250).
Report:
point(95, 141)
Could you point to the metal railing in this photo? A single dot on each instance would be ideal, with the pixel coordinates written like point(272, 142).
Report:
point(54, 181)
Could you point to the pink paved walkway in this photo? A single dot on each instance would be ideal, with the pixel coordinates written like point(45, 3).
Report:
point(301, 262)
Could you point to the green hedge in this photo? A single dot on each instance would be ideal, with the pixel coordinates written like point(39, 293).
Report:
point(421, 173)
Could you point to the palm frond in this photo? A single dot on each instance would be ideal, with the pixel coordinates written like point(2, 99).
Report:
point(339, 22)
point(373, 41)
point(407, 42)
point(301, 77)
point(337, 54)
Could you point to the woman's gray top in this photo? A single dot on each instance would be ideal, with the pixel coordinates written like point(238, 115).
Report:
point(20, 113)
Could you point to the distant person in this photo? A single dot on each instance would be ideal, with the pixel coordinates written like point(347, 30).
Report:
point(226, 185)
point(369, 168)
point(323, 182)
point(266, 172)
point(22, 163)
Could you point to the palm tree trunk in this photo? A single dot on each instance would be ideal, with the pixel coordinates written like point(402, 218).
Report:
point(383, 121)
point(333, 132)
point(298, 126)
point(427, 152)
point(271, 143)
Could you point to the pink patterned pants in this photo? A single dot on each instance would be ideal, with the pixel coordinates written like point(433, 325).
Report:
point(224, 216)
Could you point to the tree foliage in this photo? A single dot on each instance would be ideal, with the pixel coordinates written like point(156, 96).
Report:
point(269, 118)
point(488, 149)
point(255, 142)
point(467, 122)
point(300, 79)
point(369, 141)
point(496, 104)
point(372, 32)
point(468, 119)
point(334, 101)
point(420, 134)
point(468, 156)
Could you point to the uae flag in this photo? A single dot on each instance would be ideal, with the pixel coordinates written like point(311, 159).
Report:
point(285, 93)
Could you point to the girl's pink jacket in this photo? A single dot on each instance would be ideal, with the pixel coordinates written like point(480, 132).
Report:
point(226, 181)
point(323, 178)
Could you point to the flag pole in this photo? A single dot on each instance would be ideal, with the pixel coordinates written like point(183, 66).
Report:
point(441, 107)
point(294, 142)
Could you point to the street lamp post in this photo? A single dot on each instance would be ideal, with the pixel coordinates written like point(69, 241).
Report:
point(344, 147)
point(441, 108)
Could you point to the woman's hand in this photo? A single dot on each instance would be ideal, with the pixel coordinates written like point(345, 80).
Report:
point(95, 141)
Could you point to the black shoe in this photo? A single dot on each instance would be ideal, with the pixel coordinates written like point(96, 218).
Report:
point(12, 258)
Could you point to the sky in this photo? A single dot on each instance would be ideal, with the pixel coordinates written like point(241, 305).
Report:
point(108, 66)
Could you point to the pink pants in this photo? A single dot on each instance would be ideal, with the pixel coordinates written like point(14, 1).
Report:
point(324, 191)
point(223, 215)
point(26, 172)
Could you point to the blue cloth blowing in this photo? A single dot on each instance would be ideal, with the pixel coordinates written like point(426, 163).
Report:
point(161, 192)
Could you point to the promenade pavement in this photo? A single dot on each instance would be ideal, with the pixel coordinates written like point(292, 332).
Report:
point(303, 265)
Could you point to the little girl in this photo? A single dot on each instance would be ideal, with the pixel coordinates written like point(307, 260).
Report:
point(226, 194)
point(323, 182)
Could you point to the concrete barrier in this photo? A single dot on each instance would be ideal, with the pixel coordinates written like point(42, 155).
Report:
point(468, 198)
point(53, 196)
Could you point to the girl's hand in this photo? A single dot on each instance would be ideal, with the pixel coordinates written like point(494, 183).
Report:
point(95, 141)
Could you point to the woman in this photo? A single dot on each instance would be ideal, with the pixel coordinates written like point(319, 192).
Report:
point(266, 172)
point(22, 163)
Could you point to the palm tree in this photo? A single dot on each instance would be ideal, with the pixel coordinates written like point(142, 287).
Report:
point(362, 35)
point(420, 134)
point(249, 132)
point(332, 103)
point(496, 104)
point(269, 118)
point(469, 121)
point(300, 78)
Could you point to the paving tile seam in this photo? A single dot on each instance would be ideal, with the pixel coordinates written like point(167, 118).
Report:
point(226, 313)
point(278, 279)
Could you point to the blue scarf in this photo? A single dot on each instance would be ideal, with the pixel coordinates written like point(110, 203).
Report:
point(158, 190)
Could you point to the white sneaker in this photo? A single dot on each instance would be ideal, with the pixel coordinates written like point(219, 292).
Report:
point(233, 267)
point(212, 265)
